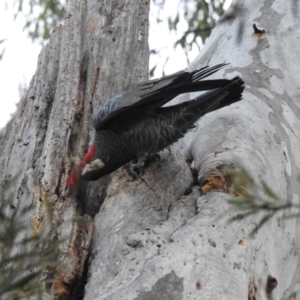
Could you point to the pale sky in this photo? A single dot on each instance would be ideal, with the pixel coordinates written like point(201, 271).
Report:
point(18, 64)
point(20, 59)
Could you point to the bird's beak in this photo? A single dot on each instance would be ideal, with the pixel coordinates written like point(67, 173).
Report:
point(92, 167)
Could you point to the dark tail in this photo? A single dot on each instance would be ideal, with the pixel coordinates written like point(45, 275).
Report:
point(187, 113)
point(206, 102)
point(218, 98)
point(182, 117)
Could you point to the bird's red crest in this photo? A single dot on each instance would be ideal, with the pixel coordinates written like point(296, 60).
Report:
point(75, 174)
point(91, 154)
point(72, 180)
point(80, 167)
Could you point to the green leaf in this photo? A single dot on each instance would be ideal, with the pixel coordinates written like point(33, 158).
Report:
point(269, 192)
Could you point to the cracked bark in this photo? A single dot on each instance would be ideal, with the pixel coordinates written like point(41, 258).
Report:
point(101, 50)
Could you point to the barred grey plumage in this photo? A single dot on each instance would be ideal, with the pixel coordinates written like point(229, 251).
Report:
point(134, 124)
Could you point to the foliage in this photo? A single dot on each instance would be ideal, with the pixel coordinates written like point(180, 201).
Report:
point(199, 17)
point(254, 198)
point(2, 52)
point(23, 256)
point(43, 16)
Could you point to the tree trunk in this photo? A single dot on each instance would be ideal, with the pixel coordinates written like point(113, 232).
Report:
point(101, 50)
point(161, 236)
point(152, 241)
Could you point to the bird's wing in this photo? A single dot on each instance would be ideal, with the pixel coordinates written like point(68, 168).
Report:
point(132, 96)
point(147, 91)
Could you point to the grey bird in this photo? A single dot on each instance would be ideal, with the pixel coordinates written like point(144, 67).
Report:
point(136, 125)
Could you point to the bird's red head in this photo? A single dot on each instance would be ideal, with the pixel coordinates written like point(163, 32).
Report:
point(91, 154)
point(76, 173)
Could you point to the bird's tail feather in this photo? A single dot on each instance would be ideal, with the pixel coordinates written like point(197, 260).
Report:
point(212, 100)
point(218, 98)
point(205, 72)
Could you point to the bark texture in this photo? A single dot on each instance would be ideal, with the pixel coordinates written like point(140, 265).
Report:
point(159, 237)
point(153, 242)
point(101, 50)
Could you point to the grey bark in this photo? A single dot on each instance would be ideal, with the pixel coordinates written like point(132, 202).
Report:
point(152, 242)
point(151, 239)
point(101, 49)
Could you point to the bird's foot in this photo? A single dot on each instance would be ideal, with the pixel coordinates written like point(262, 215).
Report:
point(152, 158)
point(137, 167)
point(147, 160)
